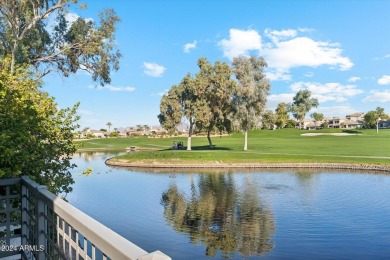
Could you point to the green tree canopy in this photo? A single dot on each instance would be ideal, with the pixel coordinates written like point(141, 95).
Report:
point(185, 99)
point(204, 100)
point(268, 119)
point(171, 111)
point(372, 118)
point(318, 117)
point(35, 136)
point(217, 86)
point(302, 103)
point(27, 38)
point(281, 115)
point(251, 92)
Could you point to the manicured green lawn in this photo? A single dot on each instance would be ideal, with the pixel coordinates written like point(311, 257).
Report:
point(264, 146)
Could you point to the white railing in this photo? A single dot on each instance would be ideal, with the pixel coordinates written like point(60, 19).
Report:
point(36, 224)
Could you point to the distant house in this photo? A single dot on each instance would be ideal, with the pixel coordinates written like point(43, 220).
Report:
point(156, 129)
point(122, 134)
point(350, 124)
point(306, 124)
point(357, 117)
point(334, 122)
point(96, 133)
point(152, 130)
point(384, 124)
point(345, 123)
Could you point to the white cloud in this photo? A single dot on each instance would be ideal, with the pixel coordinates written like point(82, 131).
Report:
point(274, 99)
point(385, 80)
point(308, 30)
point(240, 42)
point(303, 51)
point(277, 36)
point(85, 112)
point(121, 89)
point(153, 69)
point(378, 96)
point(384, 57)
point(189, 46)
point(353, 79)
point(335, 92)
point(273, 74)
point(285, 50)
point(71, 18)
point(112, 88)
point(285, 97)
point(331, 111)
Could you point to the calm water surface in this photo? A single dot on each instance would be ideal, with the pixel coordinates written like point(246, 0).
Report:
point(240, 215)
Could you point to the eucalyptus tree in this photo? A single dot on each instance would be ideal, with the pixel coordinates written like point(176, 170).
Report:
point(268, 119)
point(218, 87)
point(171, 111)
point(281, 113)
point(318, 117)
point(184, 100)
point(195, 107)
point(38, 33)
point(302, 103)
point(372, 118)
point(251, 92)
point(204, 100)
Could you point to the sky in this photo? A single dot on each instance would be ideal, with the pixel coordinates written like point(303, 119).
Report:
point(339, 50)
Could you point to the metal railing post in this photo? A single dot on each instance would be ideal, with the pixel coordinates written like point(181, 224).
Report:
point(44, 213)
point(24, 227)
point(41, 224)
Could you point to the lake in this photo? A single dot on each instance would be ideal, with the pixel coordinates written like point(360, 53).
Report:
point(270, 214)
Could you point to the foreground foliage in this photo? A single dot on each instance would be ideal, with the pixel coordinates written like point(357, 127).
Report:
point(35, 136)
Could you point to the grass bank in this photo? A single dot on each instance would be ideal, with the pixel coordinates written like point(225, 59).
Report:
point(265, 147)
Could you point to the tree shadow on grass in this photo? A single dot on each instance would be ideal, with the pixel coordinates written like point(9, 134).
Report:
point(352, 132)
point(201, 148)
point(207, 147)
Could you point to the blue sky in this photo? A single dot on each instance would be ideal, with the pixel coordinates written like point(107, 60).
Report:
point(339, 50)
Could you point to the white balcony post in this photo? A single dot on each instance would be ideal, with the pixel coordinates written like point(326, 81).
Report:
point(41, 224)
point(24, 228)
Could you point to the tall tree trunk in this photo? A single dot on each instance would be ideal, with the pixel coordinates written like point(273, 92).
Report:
point(189, 137)
point(209, 139)
point(246, 140)
point(13, 58)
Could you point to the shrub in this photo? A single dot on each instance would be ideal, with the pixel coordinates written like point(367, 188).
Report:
point(113, 134)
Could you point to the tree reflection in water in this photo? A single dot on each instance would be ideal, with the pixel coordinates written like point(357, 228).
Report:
point(220, 216)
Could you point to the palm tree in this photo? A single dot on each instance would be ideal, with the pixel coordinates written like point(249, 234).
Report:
point(138, 128)
point(109, 126)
